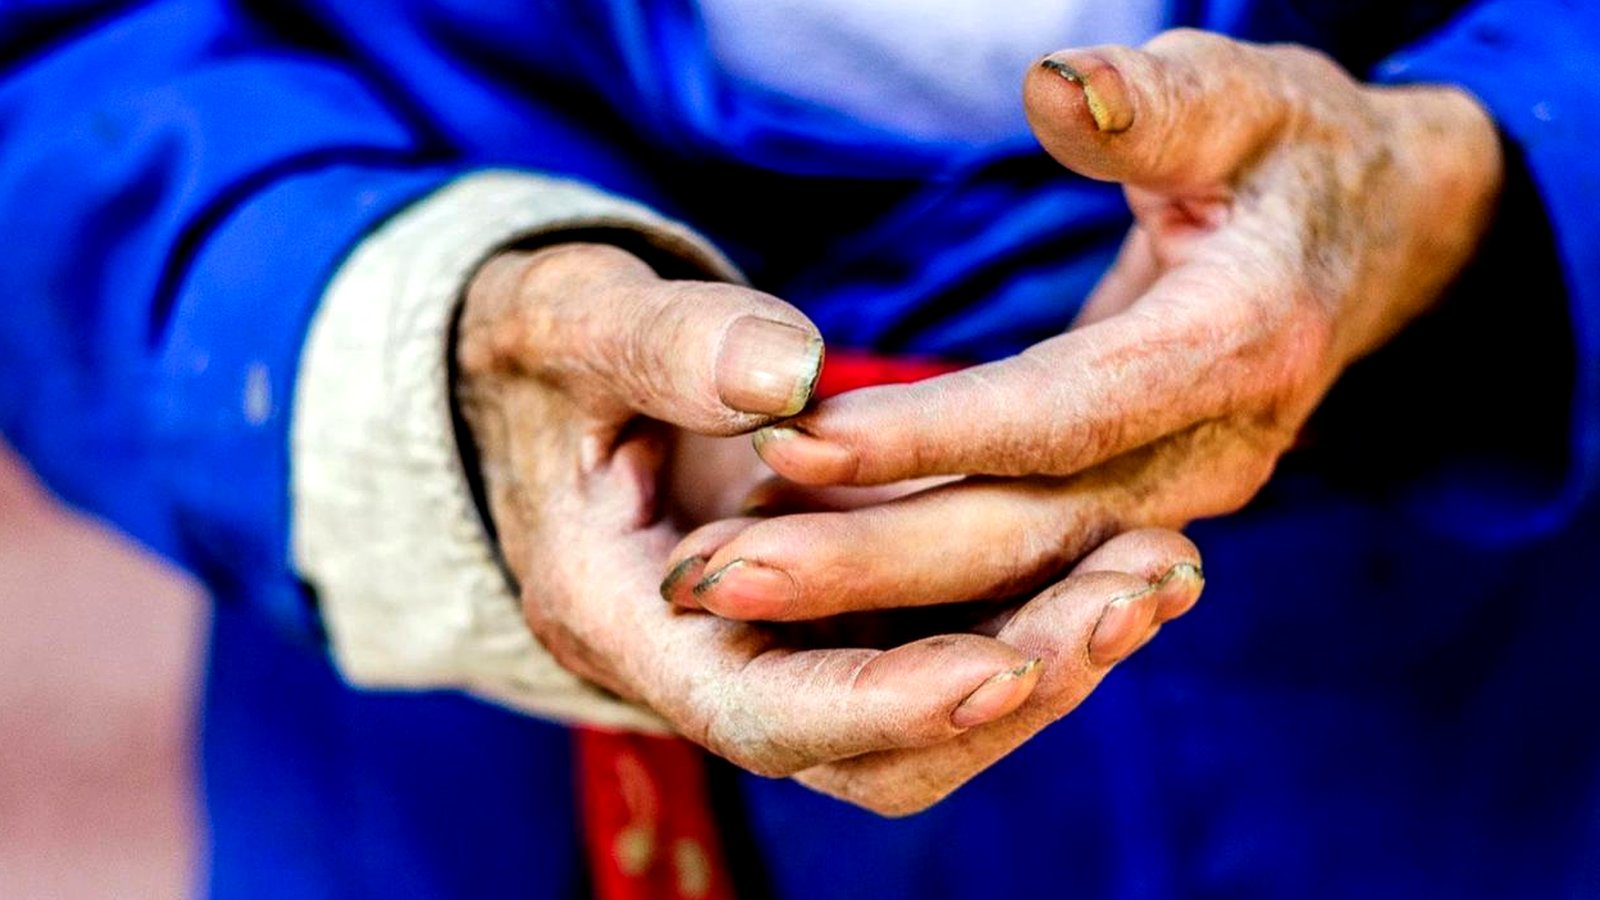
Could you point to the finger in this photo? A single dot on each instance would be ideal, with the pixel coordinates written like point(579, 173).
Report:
point(778, 496)
point(968, 541)
point(1188, 351)
point(712, 358)
point(786, 710)
point(1165, 559)
point(1063, 625)
point(767, 707)
point(978, 539)
point(686, 566)
point(1182, 114)
point(1130, 276)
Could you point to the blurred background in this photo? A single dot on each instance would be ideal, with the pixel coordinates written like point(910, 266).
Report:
point(100, 651)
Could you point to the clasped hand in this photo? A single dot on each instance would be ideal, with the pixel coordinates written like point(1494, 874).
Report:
point(1288, 221)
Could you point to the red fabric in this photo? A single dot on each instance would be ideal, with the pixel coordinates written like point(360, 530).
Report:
point(848, 371)
point(647, 823)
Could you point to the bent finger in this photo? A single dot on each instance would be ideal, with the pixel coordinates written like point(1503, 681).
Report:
point(1190, 349)
point(1183, 113)
point(1062, 625)
point(968, 541)
point(787, 710)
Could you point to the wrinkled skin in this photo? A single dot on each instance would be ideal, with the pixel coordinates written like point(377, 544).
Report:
point(578, 366)
point(1288, 221)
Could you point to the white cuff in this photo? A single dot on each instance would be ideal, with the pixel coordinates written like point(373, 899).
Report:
point(384, 526)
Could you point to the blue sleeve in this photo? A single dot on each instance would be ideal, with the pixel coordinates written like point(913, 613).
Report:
point(175, 192)
point(1532, 357)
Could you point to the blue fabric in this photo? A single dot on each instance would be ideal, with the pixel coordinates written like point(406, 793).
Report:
point(1389, 690)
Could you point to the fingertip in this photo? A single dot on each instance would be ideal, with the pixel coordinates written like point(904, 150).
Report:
point(1078, 103)
point(687, 564)
point(1096, 96)
point(944, 672)
point(678, 587)
point(805, 459)
point(1148, 553)
point(1062, 622)
point(767, 367)
point(747, 590)
point(1123, 626)
point(1179, 590)
point(998, 696)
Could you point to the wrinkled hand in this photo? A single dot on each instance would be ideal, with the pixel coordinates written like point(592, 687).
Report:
point(574, 362)
point(1289, 220)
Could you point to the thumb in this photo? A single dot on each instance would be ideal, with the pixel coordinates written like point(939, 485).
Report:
point(708, 357)
point(1184, 112)
point(716, 358)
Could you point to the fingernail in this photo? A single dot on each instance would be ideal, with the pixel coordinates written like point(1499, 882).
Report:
point(1179, 590)
point(1121, 627)
point(1102, 85)
point(669, 585)
point(768, 367)
point(824, 461)
point(996, 697)
point(749, 590)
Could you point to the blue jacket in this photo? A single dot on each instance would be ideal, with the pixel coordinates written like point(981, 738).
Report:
point(1391, 688)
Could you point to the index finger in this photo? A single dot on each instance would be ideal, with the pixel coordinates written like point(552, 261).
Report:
point(1180, 355)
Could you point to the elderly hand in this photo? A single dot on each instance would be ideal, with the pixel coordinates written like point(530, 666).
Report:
point(573, 360)
point(1289, 220)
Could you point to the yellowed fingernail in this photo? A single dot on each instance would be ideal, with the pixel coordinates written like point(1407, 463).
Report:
point(996, 697)
point(771, 434)
point(768, 367)
point(1103, 89)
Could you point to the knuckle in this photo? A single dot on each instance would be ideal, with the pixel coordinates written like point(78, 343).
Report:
point(634, 346)
point(744, 738)
point(1186, 41)
point(893, 793)
point(901, 807)
point(1304, 61)
point(1249, 476)
point(1290, 360)
point(1278, 344)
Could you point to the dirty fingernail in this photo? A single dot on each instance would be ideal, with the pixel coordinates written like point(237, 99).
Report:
point(679, 573)
point(1122, 626)
point(768, 367)
point(1179, 590)
point(1102, 85)
point(783, 447)
point(998, 696)
point(748, 590)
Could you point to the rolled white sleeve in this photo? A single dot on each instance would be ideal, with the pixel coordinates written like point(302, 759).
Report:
point(384, 524)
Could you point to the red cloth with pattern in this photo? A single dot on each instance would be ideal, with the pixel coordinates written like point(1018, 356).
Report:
point(647, 823)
